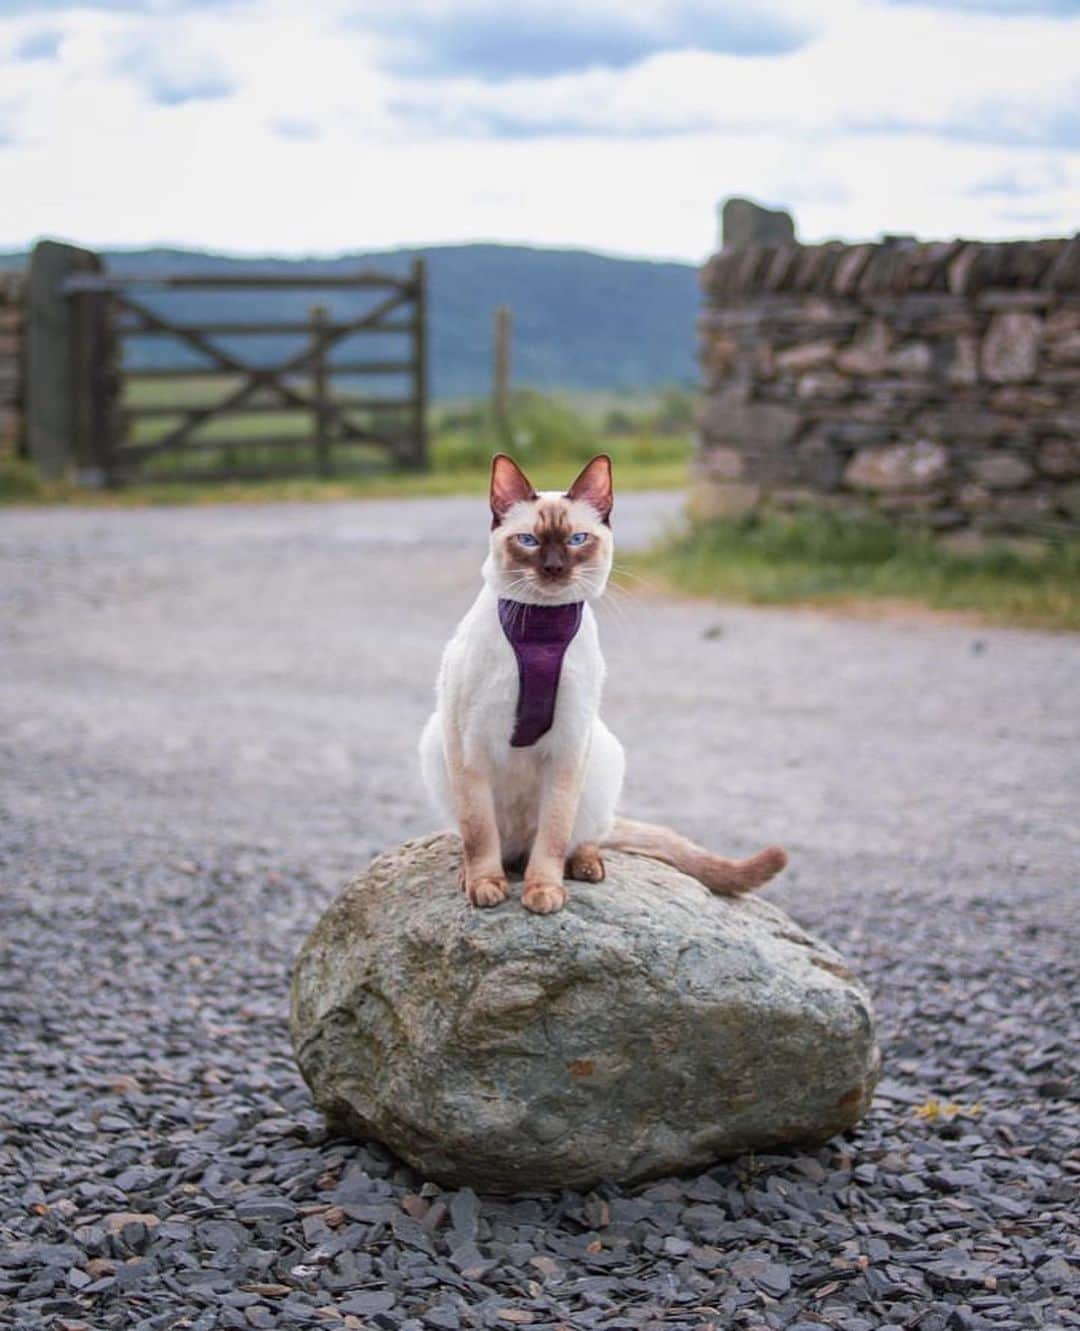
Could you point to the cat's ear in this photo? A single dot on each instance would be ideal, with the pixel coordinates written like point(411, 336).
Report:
point(593, 486)
point(509, 486)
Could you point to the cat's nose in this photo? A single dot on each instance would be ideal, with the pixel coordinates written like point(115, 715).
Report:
point(553, 563)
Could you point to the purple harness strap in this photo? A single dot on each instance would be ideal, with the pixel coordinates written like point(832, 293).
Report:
point(539, 635)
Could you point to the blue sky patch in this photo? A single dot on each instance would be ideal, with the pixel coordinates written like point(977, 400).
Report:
point(498, 42)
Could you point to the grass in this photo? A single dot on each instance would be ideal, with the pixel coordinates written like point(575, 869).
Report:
point(831, 560)
point(18, 485)
point(552, 436)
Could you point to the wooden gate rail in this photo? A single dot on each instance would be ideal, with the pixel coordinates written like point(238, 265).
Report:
point(282, 281)
point(116, 307)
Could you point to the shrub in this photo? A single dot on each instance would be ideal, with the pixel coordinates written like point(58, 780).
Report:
point(538, 429)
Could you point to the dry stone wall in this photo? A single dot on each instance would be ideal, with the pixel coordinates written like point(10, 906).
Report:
point(11, 364)
point(936, 381)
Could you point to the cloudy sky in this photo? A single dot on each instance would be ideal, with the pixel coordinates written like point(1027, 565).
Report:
point(315, 126)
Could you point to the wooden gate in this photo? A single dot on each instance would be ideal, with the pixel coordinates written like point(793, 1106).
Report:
point(216, 410)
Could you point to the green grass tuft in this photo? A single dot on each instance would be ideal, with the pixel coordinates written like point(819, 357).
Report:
point(829, 559)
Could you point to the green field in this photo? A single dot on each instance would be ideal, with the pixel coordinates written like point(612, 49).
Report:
point(650, 436)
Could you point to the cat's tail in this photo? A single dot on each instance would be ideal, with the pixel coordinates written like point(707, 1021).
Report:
point(724, 877)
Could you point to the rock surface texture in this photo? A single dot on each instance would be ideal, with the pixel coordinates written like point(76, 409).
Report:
point(647, 1029)
point(933, 381)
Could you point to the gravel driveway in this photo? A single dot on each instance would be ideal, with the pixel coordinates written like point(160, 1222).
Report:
point(207, 722)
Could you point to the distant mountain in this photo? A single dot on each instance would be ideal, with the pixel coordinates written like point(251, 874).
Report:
point(580, 320)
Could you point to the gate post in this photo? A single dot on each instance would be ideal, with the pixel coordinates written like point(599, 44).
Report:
point(58, 378)
point(417, 456)
point(319, 387)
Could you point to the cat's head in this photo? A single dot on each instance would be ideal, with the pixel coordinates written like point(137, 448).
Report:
point(549, 548)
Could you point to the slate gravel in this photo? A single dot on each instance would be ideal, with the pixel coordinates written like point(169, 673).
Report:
point(206, 722)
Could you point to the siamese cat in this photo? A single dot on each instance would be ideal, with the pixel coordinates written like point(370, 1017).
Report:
point(515, 752)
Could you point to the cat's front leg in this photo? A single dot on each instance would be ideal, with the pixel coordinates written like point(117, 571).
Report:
point(544, 891)
point(483, 877)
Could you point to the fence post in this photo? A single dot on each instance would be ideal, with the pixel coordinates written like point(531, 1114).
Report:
point(500, 395)
point(418, 455)
point(319, 389)
point(12, 366)
point(100, 353)
point(58, 382)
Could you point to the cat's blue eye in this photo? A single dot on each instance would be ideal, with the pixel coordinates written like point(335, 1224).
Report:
point(527, 539)
point(578, 538)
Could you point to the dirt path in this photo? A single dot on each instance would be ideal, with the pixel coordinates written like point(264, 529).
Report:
point(208, 721)
point(258, 676)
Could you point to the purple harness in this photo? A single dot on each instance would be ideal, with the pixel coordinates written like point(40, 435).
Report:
point(539, 635)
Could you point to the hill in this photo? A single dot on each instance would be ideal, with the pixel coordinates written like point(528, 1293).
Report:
point(581, 320)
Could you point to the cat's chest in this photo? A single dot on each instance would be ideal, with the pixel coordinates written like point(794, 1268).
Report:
point(497, 682)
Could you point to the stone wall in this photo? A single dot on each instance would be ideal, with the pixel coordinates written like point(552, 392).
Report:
point(937, 381)
point(11, 364)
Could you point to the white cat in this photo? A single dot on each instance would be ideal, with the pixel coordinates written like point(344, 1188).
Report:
point(516, 752)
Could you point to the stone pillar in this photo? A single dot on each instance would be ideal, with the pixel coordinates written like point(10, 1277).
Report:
point(54, 380)
point(744, 224)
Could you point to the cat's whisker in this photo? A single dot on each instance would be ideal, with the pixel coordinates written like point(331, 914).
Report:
point(620, 570)
point(620, 619)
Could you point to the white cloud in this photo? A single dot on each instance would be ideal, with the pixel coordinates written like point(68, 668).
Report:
point(889, 121)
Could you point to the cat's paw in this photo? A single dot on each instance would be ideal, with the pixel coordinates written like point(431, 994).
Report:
point(543, 897)
point(486, 891)
point(586, 865)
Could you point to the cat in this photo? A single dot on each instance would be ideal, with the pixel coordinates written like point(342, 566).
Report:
point(516, 752)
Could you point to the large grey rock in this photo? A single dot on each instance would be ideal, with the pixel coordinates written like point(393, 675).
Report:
point(647, 1029)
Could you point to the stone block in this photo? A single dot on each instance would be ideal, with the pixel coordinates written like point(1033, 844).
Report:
point(1059, 457)
point(1023, 400)
point(719, 354)
point(746, 224)
point(1002, 471)
point(719, 463)
point(913, 359)
point(963, 366)
point(849, 433)
point(1008, 298)
point(849, 269)
point(1064, 272)
point(806, 356)
point(1064, 350)
point(974, 498)
point(1010, 348)
point(820, 463)
point(1062, 323)
point(823, 385)
point(1069, 500)
point(913, 502)
point(966, 544)
point(710, 498)
point(897, 468)
point(866, 355)
point(761, 425)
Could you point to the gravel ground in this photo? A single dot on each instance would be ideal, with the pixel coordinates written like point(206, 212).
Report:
point(207, 722)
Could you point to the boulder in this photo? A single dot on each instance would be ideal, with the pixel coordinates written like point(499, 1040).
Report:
point(649, 1028)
